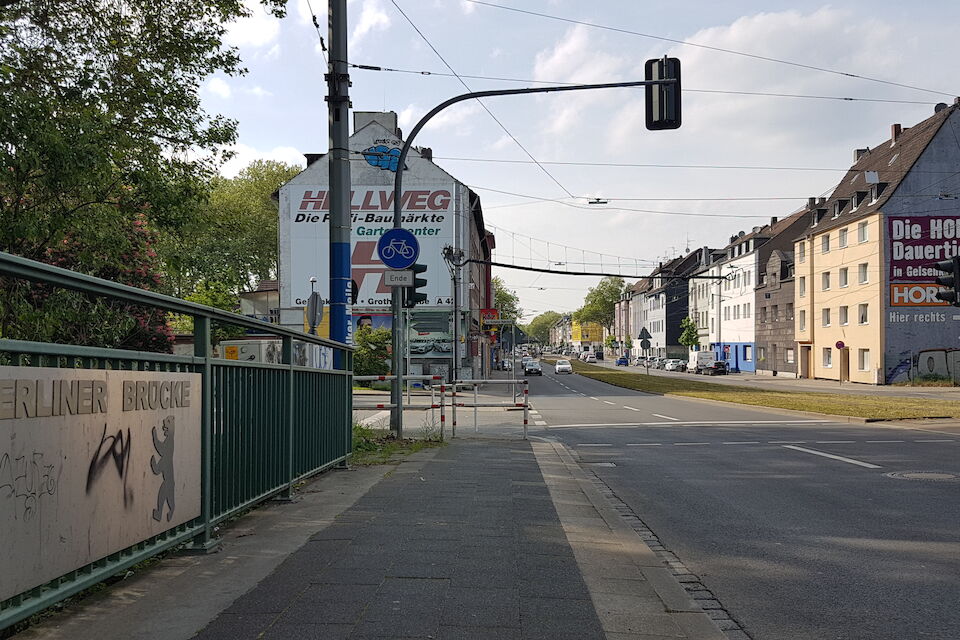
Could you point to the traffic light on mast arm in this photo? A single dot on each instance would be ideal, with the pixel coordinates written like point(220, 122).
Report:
point(951, 280)
point(663, 100)
point(411, 297)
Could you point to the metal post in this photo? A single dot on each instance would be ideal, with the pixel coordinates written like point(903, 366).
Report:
point(453, 409)
point(456, 320)
point(526, 406)
point(406, 349)
point(286, 357)
point(338, 97)
point(201, 349)
point(476, 399)
point(513, 358)
point(443, 411)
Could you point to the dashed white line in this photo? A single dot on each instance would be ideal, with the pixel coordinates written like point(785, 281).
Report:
point(608, 402)
point(631, 408)
point(644, 444)
point(540, 423)
point(664, 417)
point(743, 442)
point(786, 442)
point(597, 399)
point(833, 457)
point(835, 441)
point(947, 440)
point(688, 444)
point(880, 441)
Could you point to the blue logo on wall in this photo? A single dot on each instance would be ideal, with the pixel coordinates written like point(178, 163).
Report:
point(383, 157)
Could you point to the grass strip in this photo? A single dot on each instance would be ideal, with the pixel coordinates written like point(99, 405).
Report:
point(379, 446)
point(836, 404)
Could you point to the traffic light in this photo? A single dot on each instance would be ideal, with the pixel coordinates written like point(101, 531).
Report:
point(663, 100)
point(951, 280)
point(411, 297)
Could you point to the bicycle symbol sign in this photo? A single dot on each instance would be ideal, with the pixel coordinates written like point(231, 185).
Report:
point(398, 248)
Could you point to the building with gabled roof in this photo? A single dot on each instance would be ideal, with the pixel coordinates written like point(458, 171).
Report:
point(865, 287)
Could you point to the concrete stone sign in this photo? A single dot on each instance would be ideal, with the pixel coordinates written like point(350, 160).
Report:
point(91, 462)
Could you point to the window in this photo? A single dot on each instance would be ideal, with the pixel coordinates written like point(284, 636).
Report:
point(863, 359)
point(842, 240)
point(863, 234)
point(803, 320)
point(748, 278)
point(746, 310)
point(827, 357)
point(825, 243)
point(763, 314)
point(775, 313)
point(844, 316)
point(789, 311)
point(736, 312)
point(726, 313)
point(826, 317)
point(801, 251)
point(825, 281)
point(858, 198)
point(863, 313)
point(803, 286)
point(789, 356)
point(844, 281)
point(863, 277)
point(747, 352)
point(761, 353)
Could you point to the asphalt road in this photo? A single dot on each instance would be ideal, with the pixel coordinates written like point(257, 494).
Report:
point(794, 544)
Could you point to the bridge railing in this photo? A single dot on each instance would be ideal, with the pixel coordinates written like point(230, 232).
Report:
point(260, 428)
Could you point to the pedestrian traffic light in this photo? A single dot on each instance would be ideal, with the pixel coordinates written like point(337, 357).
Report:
point(411, 297)
point(663, 100)
point(951, 280)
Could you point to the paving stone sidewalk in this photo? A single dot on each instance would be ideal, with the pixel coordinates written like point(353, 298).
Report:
point(468, 545)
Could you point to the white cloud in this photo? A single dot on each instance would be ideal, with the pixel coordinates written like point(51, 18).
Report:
point(259, 92)
point(258, 29)
point(244, 155)
point(467, 7)
point(219, 87)
point(372, 18)
point(273, 53)
point(458, 119)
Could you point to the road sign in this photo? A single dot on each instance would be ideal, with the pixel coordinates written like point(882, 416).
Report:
point(398, 278)
point(644, 334)
point(840, 344)
point(644, 344)
point(499, 321)
point(398, 248)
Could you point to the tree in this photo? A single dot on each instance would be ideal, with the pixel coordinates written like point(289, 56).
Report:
point(539, 327)
point(628, 343)
point(688, 333)
point(234, 241)
point(216, 295)
point(103, 129)
point(370, 357)
point(600, 302)
point(505, 300)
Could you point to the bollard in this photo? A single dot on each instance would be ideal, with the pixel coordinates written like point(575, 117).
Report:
point(526, 406)
point(453, 405)
point(476, 399)
point(443, 412)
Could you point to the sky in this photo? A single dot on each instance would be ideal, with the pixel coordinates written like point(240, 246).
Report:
point(737, 160)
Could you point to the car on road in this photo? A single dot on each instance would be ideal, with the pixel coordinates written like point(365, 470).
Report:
point(716, 368)
point(506, 365)
point(590, 358)
point(563, 366)
point(623, 361)
point(675, 364)
point(532, 368)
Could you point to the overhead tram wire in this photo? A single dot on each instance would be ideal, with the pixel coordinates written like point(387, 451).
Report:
point(764, 94)
point(316, 25)
point(480, 102)
point(711, 48)
point(604, 274)
point(546, 259)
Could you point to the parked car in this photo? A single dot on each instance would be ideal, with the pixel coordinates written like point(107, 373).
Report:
point(640, 361)
point(525, 359)
point(623, 361)
point(563, 366)
point(717, 368)
point(590, 358)
point(532, 368)
point(657, 362)
point(701, 361)
point(506, 365)
point(675, 364)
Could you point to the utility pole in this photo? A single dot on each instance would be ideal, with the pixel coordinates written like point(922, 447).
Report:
point(338, 104)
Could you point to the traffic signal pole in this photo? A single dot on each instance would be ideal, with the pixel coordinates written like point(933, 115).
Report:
point(660, 114)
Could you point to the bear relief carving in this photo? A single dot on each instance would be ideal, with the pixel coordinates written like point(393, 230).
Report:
point(163, 466)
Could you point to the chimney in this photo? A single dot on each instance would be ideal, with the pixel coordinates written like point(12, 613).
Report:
point(773, 220)
point(895, 130)
point(811, 203)
point(387, 119)
point(312, 157)
point(859, 153)
point(821, 201)
point(426, 153)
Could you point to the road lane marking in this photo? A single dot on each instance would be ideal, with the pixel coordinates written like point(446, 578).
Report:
point(631, 408)
point(835, 441)
point(644, 444)
point(743, 442)
point(833, 457)
point(540, 423)
point(676, 423)
point(608, 402)
point(665, 417)
point(879, 441)
point(947, 440)
point(688, 444)
point(786, 442)
point(599, 444)
point(597, 399)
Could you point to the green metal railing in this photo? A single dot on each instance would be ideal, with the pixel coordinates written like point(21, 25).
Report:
point(264, 427)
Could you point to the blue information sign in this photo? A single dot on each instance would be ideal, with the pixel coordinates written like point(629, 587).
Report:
point(398, 248)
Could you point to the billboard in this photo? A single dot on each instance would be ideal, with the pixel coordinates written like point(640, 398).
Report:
point(92, 462)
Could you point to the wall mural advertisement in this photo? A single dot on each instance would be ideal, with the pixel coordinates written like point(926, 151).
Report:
point(429, 335)
point(91, 462)
point(923, 333)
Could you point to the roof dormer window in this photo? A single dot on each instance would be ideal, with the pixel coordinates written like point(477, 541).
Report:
point(876, 190)
point(838, 207)
point(858, 198)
